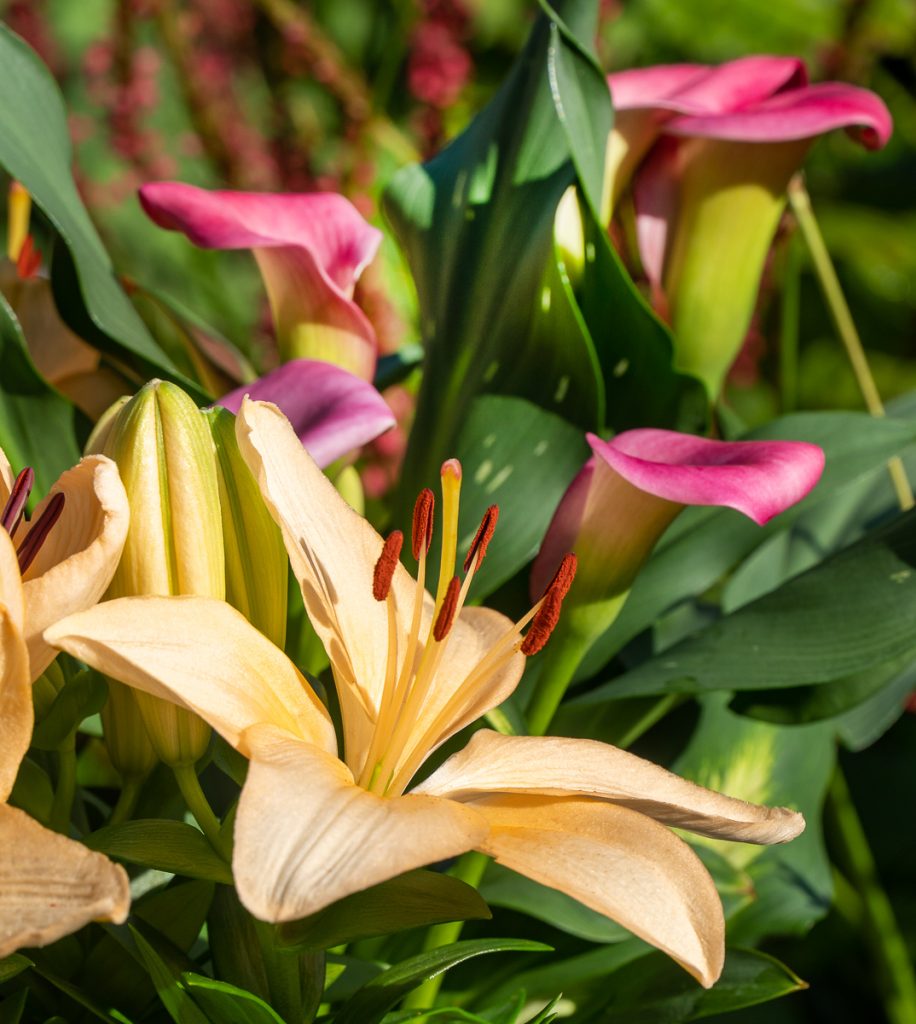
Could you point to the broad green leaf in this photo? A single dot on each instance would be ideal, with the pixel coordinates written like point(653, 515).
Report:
point(705, 543)
point(12, 1008)
point(166, 970)
point(83, 695)
point(74, 992)
point(656, 991)
point(226, 1004)
point(163, 844)
point(234, 943)
point(35, 150)
point(370, 1003)
point(476, 223)
point(505, 888)
point(12, 965)
point(852, 613)
point(766, 764)
point(36, 423)
point(519, 457)
point(413, 900)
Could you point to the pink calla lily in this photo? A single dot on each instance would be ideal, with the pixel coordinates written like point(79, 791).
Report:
point(634, 486)
point(708, 153)
point(331, 410)
point(311, 249)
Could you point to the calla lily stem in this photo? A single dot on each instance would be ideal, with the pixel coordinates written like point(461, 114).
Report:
point(883, 934)
point(800, 202)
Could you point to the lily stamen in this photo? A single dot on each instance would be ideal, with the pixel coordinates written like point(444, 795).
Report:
point(15, 505)
point(38, 534)
point(447, 612)
point(482, 538)
point(386, 564)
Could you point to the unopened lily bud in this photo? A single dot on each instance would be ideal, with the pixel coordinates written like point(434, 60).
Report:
point(165, 455)
point(46, 688)
point(98, 439)
point(256, 559)
point(128, 742)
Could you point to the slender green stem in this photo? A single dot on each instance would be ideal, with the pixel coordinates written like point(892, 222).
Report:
point(562, 656)
point(845, 326)
point(127, 801)
point(62, 806)
point(788, 327)
point(654, 714)
point(470, 868)
point(888, 947)
point(198, 805)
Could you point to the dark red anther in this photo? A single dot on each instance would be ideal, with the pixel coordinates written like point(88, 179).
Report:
point(563, 577)
point(386, 564)
point(38, 533)
point(28, 262)
point(484, 535)
point(446, 615)
point(421, 534)
point(15, 505)
point(544, 623)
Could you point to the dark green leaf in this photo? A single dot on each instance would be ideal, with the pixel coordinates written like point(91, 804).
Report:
point(164, 844)
point(234, 943)
point(521, 458)
point(412, 900)
point(35, 149)
point(165, 970)
point(36, 423)
point(226, 1004)
point(12, 1008)
point(370, 1003)
point(656, 991)
point(852, 613)
point(12, 965)
point(83, 695)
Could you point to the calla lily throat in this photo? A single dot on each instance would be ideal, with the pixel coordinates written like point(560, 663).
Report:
point(395, 751)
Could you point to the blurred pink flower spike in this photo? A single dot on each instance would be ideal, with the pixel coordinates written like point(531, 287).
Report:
point(311, 249)
point(710, 151)
point(331, 410)
point(634, 486)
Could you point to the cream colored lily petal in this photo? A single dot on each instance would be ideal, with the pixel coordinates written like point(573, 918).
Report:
point(451, 705)
point(306, 835)
point(202, 655)
point(619, 863)
point(333, 552)
point(555, 766)
point(77, 561)
point(50, 885)
point(6, 478)
point(15, 685)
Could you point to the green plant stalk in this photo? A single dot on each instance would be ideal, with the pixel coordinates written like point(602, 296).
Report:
point(562, 656)
point(790, 307)
point(198, 805)
point(62, 805)
point(127, 801)
point(470, 868)
point(845, 326)
point(895, 971)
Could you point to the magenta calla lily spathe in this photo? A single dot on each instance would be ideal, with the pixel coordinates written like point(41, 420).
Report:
point(634, 486)
point(708, 153)
point(332, 411)
point(311, 249)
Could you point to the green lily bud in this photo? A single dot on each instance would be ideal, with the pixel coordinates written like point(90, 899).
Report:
point(46, 688)
point(256, 560)
point(165, 455)
point(126, 737)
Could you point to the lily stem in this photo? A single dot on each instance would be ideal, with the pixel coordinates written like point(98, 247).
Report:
point(198, 805)
point(62, 805)
point(845, 326)
point(882, 932)
point(127, 801)
point(470, 868)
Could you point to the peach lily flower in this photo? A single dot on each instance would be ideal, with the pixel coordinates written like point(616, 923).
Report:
point(69, 549)
point(49, 885)
point(410, 672)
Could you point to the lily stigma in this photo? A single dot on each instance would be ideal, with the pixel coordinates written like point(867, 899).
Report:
point(410, 671)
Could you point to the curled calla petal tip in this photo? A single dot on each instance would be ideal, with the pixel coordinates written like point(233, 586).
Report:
point(759, 478)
